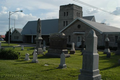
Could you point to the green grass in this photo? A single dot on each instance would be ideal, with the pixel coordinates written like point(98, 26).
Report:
point(3, 43)
point(25, 70)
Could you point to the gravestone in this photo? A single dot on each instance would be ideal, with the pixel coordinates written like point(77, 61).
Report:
point(0, 45)
point(82, 45)
point(107, 50)
point(35, 51)
point(90, 63)
point(27, 57)
point(22, 47)
point(39, 38)
point(62, 61)
point(35, 58)
point(58, 44)
point(44, 46)
point(72, 51)
point(118, 48)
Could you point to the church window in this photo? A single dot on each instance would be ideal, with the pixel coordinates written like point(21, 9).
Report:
point(79, 26)
point(69, 38)
point(66, 23)
point(67, 13)
point(63, 23)
point(64, 13)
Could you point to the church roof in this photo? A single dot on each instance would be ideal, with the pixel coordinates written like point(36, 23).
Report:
point(88, 17)
point(47, 27)
point(18, 29)
point(102, 28)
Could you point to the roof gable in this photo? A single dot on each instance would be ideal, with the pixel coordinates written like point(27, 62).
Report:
point(101, 28)
point(18, 30)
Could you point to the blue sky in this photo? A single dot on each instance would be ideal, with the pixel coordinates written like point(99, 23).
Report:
point(49, 9)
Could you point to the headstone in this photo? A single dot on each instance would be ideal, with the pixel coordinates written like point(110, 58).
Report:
point(107, 50)
point(35, 58)
point(90, 63)
point(72, 51)
point(118, 48)
point(39, 38)
point(44, 46)
point(58, 44)
point(108, 55)
point(0, 45)
point(35, 51)
point(27, 57)
point(83, 46)
point(22, 47)
point(62, 61)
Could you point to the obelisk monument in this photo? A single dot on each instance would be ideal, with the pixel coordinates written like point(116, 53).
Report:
point(39, 38)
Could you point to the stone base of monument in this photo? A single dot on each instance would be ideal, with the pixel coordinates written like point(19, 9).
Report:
point(62, 66)
point(39, 51)
point(106, 51)
point(34, 61)
point(117, 52)
point(72, 51)
point(57, 53)
point(89, 77)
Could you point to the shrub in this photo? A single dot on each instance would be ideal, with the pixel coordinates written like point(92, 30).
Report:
point(8, 54)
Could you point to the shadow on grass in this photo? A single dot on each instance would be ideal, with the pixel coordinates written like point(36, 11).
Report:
point(112, 61)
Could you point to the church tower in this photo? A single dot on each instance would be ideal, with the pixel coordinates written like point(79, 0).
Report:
point(67, 14)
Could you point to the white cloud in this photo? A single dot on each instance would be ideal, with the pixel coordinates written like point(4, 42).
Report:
point(92, 11)
point(117, 11)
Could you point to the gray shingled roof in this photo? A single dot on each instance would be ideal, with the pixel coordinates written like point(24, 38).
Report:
point(47, 27)
point(102, 28)
point(88, 17)
point(19, 30)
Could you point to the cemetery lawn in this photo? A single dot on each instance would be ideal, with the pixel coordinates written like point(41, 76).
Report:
point(5, 44)
point(46, 69)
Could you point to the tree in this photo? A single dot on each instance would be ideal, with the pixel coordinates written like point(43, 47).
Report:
point(6, 36)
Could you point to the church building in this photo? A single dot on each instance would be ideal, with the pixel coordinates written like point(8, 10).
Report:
point(71, 22)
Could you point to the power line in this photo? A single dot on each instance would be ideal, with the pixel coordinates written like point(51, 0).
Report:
point(93, 7)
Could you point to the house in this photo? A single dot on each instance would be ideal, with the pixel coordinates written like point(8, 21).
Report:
point(16, 35)
point(71, 22)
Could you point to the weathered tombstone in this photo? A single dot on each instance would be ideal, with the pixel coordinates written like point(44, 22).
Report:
point(35, 58)
point(27, 57)
point(44, 46)
point(22, 47)
point(35, 51)
point(107, 50)
point(72, 51)
point(83, 46)
point(90, 63)
point(118, 48)
point(58, 44)
point(0, 45)
point(62, 61)
point(39, 38)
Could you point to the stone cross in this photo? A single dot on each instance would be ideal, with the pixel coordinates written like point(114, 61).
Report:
point(44, 46)
point(27, 57)
point(107, 50)
point(72, 51)
point(90, 63)
point(38, 38)
point(22, 47)
point(35, 58)
point(118, 48)
point(0, 45)
point(62, 61)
